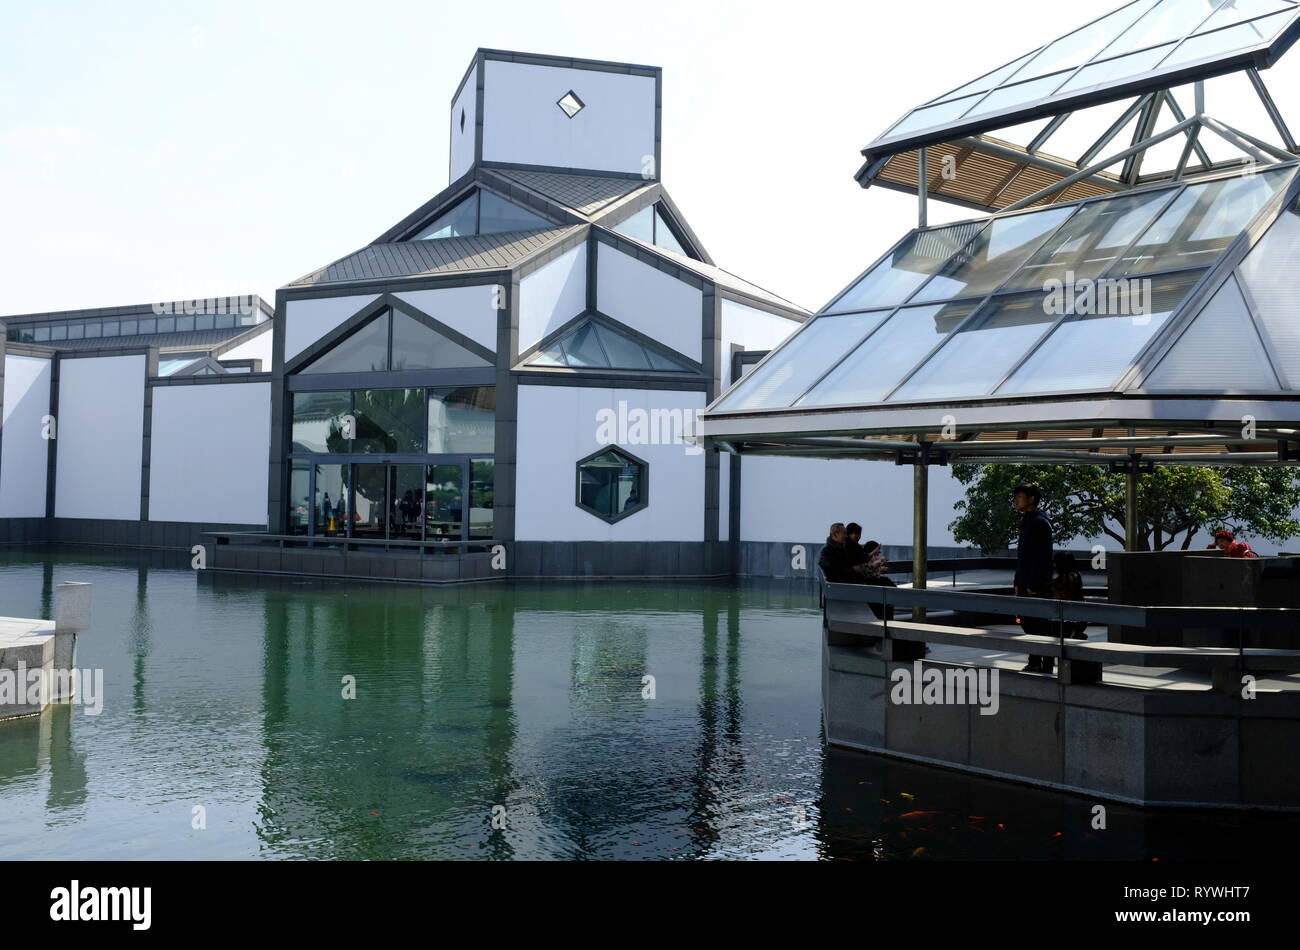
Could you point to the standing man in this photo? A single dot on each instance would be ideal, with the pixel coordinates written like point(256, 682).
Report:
point(1033, 566)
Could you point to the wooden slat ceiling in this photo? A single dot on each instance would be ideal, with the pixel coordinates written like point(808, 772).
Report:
point(988, 181)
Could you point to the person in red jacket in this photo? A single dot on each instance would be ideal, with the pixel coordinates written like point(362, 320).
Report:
point(1241, 549)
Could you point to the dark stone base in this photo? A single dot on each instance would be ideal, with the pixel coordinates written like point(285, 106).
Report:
point(154, 535)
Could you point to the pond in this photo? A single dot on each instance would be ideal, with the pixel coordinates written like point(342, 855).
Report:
point(279, 718)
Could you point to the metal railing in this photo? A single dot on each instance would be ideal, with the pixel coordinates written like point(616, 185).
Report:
point(1083, 660)
point(256, 539)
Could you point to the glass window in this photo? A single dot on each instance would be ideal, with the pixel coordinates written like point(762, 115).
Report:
point(417, 346)
point(94, 330)
point(184, 324)
point(299, 497)
point(41, 334)
point(389, 421)
point(640, 226)
point(975, 359)
point(594, 345)
point(1238, 10)
point(611, 485)
point(331, 509)
point(443, 502)
point(111, 328)
point(225, 321)
point(128, 328)
point(320, 421)
point(370, 501)
point(497, 215)
point(365, 351)
point(149, 326)
point(889, 354)
point(929, 116)
point(462, 420)
point(797, 364)
point(481, 485)
point(1271, 272)
point(166, 324)
point(204, 321)
point(1083, 44)
point(76, 331)
point(1021, 94)
point(894, 279)
point(406, 500)
point(1169, 20)
point(987, 82)
point(989, 259)
point(664, 236)
point(59, 331)
point(1092, 349)
point(456, 222)
point(1090, 241)
point(1202, 222)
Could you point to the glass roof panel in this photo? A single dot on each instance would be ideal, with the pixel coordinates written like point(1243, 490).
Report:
point(365, 351)
point(999, 250)
point(1242, 36)
point(888, 355)
point(928, 116)
point(977, 357)
point(805, 356)
point(1239, 10)
point(664, 236)
point(1220, 349)
point(1145, 33)
point(640, 226)
point(1202, 222)
point(987, 81)
point(583, 349)
point(496, 215)
point(417, 346)
point(1119, 68)
point(894, 279)
point(1170, 20)
point(593, 345)
point(1271, 274)
point(1094, 347)
point(1090, 241)
point(623, 352)
point(1079, 47)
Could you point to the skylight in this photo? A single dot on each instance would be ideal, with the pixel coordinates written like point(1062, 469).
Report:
point(981, 309)
point(596, 345)
point(1138, 46)
point(481, 212)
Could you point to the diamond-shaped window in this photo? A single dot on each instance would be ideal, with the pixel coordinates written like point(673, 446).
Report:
point(571, 104)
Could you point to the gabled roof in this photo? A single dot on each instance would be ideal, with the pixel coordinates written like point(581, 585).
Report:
point(586, 195)
point(460, 255)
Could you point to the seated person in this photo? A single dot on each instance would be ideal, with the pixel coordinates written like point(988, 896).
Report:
point(1068, 585)
point(836, 561)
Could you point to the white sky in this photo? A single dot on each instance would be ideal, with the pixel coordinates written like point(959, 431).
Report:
point(156, 151)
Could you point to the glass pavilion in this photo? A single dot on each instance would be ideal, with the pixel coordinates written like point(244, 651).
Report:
point(1133, 305)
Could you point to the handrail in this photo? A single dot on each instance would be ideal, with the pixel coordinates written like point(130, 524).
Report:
point(1285, 619)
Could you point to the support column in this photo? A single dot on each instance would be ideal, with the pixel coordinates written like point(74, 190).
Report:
point(1131, 505)
point(920, 532)
point(923, 188)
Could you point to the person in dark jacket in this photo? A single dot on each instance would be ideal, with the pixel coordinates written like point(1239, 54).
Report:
point(835, 561)
point(1033, 566)
point(853, 544)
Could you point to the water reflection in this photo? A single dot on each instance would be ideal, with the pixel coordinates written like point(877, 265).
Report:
point(506, 721)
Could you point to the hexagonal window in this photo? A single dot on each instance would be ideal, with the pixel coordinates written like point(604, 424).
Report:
point(612, 484)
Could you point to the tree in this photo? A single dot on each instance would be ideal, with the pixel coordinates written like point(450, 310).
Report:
point(1174, 503)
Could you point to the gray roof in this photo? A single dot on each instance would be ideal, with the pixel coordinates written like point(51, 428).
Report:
point(458, 255)
point(585, 194)
point(128, 310)
point(197, 340)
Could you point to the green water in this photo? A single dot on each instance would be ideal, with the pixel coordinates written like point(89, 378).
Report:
point(503, 721)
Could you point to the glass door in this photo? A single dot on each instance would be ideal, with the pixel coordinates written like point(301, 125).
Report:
point(444, 502)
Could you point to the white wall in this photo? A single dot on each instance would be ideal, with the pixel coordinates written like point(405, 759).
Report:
point(258, 348)
point(522, 123)
point(100, 438)
point(647, 299)
point(208, 453)
point(552, 295)
point(462, 139)
point(558, 427)
point(467, 310)
point(306, 321)
point(751, 329)
point(790, 499)
point(25, 451)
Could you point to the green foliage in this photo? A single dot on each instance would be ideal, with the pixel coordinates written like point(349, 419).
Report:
point(1088, 501)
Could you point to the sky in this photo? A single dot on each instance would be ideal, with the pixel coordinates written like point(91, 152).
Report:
point(158, 151)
